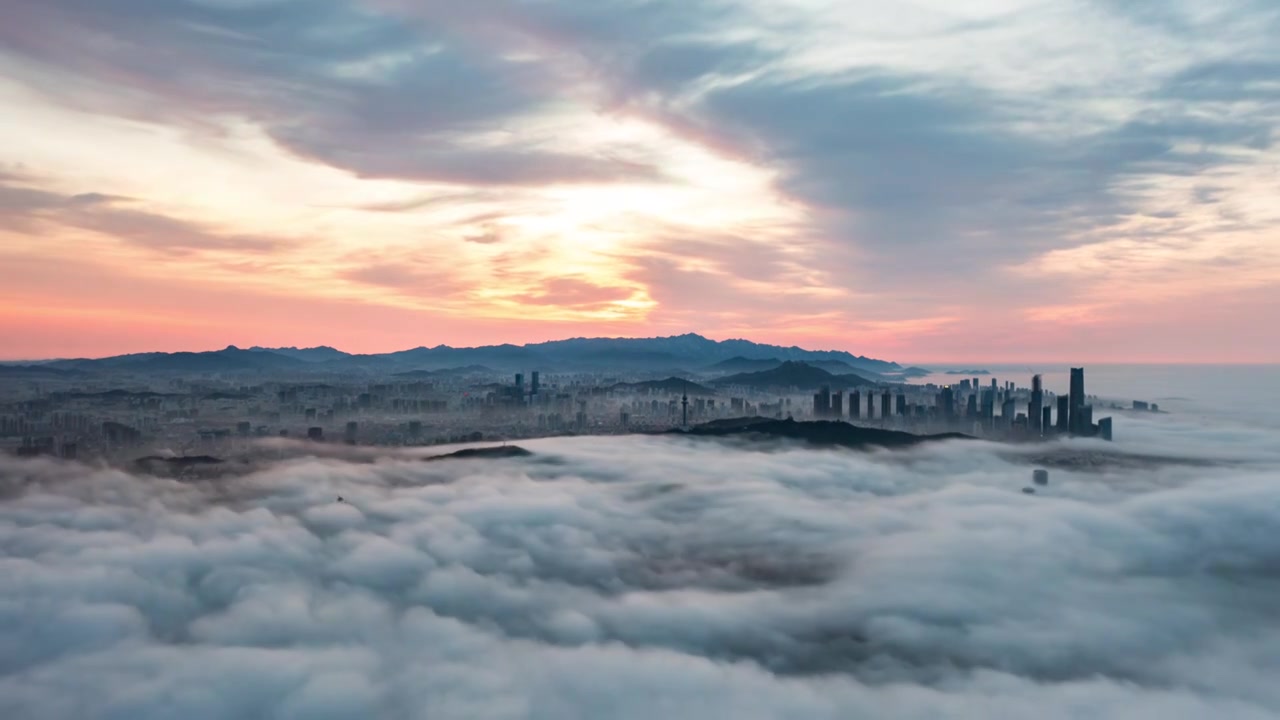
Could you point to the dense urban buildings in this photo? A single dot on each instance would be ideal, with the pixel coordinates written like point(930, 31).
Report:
point(215, 413)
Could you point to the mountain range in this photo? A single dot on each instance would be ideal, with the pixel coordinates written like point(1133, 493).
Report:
point(689, 353)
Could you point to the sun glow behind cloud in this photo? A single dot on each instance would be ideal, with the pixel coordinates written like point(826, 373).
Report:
point(637, 169)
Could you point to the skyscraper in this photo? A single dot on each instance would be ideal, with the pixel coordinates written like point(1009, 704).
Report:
point(947, 400)
point(533, 383)
point(902, 404)
point(1064, 414)
point(1046, 422)
point(886, 405)
point(837, 405)
point(855, 404)
point(1034, 417)
point(871, 404)
point(1104, 429)
point(822, 402)
point(1075, 424)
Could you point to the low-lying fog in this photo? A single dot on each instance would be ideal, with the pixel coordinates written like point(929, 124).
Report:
point(651, 577)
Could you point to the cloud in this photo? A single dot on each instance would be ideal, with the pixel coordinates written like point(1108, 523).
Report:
point(404, 276)
point(920, 178)
point(335, 82)
point(573, 293)
point(23, 207)
point(606, 577)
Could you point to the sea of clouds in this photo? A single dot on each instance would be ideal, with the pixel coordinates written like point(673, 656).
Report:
point(643, 577)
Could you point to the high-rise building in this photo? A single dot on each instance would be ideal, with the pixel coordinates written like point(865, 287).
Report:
point(871, 404)
point(1064, 414)
point(822, 402)
point(947, 401)
point(837, 405)
point(855, 404)
point(971, 408)
point(534, 383)
point(1076, 424)
point(902, 404)
point(886, 405)
point(1046, 419)
point(1104, 429)
point(1007, 410)
point(1034, 416)
point(1086, 421)
point(352, 430)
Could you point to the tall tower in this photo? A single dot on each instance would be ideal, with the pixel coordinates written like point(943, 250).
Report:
point(1037, 403)
point(684, 405)
point(533, 383)
point(1075, 424)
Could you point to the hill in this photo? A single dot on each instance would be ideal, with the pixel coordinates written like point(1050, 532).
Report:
point(323, 353)
point(230, 359)
point(447, 372)
point(793, 374)
point(35, 372)
point(484, 453)
point(821, 432)
point(739, 364)
point(673, 385)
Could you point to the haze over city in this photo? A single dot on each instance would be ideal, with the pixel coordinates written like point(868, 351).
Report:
point(929, 181)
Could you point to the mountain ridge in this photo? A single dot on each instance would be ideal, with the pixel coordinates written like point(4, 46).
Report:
point(572, 354)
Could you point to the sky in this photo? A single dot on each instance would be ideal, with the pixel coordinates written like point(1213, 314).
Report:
point(634, 577)
point(915, 181)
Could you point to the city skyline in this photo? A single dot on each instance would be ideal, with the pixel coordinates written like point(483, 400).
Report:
point(1087, 180)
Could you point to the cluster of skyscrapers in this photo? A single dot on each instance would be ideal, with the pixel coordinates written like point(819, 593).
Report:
point(970, 406)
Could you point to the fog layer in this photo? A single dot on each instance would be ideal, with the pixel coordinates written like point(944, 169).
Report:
point(648, 577)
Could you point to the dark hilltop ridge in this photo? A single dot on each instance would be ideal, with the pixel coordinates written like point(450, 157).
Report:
point(825, 433)
point(480, 453)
